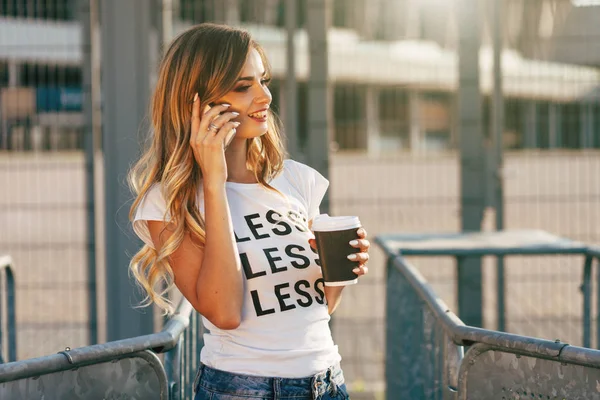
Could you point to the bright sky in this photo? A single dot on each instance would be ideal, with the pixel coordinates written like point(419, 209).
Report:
point(585, 3)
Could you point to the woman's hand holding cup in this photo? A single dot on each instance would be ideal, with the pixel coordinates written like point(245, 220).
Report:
point(334, 237)
point(361, 257)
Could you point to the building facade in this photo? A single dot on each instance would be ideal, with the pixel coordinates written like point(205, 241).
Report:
point(393, 68)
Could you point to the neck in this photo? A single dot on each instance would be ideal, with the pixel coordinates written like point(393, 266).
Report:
point(235, 155)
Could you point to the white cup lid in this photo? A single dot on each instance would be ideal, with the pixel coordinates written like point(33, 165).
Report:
point(325, 223)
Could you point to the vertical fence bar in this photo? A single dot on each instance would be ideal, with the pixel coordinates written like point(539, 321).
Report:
point(472, 158)
point(193, 362)
point(3, 321)
point(291, 85)
point(126, 32)
point(598, 304)
point(319, 89)
point(453, 357)
point(173, 370)
point(11, 314)
point(85, 18)
point(587, 301)
point(6, 269)
point(188, 367)
point(497, 180)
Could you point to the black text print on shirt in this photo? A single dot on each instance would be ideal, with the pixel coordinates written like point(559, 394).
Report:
point(290, 295)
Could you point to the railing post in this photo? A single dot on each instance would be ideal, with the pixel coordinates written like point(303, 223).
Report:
point(87, 15)
point(404, 336)
point(453, 355)
point(472, 158)
point(587, 301)
point(12, 320)
point(6, 265)
point(598, 303)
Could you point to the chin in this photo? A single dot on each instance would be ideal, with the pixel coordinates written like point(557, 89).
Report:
point(254, 134)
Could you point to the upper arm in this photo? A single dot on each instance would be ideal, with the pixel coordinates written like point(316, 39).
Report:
point(185, 262)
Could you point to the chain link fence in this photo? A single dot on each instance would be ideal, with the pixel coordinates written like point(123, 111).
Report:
point(394, 153)
point(43, 207)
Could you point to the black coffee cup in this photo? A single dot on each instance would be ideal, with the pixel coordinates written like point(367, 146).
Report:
point(333, 236)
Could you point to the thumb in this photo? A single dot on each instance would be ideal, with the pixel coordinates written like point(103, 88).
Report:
point(312, 243)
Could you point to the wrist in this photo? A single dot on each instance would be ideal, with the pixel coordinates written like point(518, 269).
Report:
point(213, 185)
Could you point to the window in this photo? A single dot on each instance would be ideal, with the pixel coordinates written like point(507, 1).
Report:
point(349, 117)
point(61, 10)
point(49, 75)
point(394, 115)
point(514, 124)
point(571, 126)
point(3, 74)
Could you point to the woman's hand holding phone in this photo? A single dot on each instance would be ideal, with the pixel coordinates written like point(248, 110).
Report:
point(211, 131)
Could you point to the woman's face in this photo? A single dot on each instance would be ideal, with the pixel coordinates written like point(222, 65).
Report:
point(251, 98)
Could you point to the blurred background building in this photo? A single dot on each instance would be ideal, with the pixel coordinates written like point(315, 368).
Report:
point(393, 66)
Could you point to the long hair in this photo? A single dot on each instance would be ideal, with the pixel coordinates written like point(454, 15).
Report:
point(206, 59)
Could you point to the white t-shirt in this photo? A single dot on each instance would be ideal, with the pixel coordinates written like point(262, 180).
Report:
point(284, 330)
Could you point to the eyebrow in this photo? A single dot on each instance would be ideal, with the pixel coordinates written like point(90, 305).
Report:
point(250, 78)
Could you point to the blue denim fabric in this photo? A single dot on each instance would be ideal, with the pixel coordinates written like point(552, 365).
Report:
point(213, 384)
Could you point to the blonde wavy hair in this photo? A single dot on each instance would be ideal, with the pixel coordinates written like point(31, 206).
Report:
point(206, 59)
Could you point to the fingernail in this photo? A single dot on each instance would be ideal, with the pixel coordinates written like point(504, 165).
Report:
point(352, 257)
point(236, 124)
point(356, 270)
point(226, 105)
point(353, 242)
point(235, 113)
point(361, 231)
point(195, 97)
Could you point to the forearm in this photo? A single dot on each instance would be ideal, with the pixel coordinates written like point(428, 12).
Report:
point(333, 294)
point(219, 283)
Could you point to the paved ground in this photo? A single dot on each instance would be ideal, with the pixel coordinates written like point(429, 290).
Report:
point(42, 217)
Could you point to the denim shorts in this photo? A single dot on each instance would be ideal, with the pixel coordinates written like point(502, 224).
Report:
point(214, 384)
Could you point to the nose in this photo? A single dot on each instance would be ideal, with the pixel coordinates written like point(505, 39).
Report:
point(263, 96)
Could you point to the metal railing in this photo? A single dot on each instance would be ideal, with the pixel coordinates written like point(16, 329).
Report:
point(431, 354)
point(89, 370)
point(8, 325)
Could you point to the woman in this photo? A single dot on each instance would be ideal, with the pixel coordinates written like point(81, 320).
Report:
point(226, 220)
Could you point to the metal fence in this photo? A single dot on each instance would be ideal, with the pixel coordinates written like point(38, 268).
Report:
point(128, 368)
point(396, 120)
point(431, 354)
point(46, 173)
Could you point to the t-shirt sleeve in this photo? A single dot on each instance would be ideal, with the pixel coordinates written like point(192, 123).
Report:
point(318, 190)
point(314, 186)
point(151, 208)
